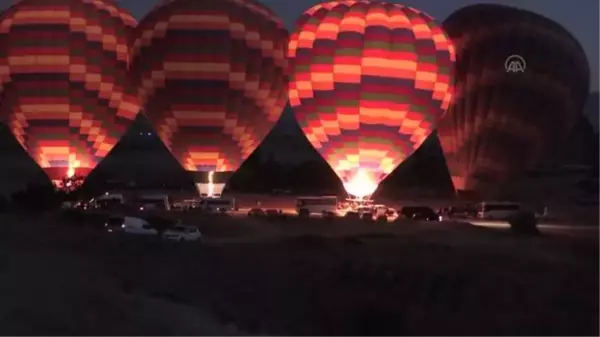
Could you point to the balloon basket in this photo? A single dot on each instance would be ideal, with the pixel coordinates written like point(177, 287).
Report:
point(68, 184)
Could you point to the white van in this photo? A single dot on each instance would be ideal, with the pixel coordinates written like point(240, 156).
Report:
point(182, 233)
point(317, 205)
point(133, 225)
point(497, 210)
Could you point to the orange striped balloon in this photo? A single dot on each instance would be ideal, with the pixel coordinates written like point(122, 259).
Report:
point(369, 81)
point(212, 78)
point(66, 94)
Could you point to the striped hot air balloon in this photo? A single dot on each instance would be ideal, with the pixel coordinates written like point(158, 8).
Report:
point(521, 82)
point(213, 81)
point(369, 81)
point(65, 91)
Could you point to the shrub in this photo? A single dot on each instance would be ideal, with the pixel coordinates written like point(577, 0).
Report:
point(367, 217)
point(3, 204)
point(382, 219)
point(329, 216)
point(304, 213)
point(307, 240)
point(37, 197)
point(72, 217)
point(524, 222)
point(352, 215)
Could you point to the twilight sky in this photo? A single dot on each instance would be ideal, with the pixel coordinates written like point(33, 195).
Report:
point(579, 17)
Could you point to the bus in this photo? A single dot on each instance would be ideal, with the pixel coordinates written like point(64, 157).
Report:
point(217, 205)
point(316, 205)
point(107, 201)
point(149, 202)
point(497, 210)
point(186, 204)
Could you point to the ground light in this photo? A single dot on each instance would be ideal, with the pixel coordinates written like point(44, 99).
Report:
point(361, 185)
point(211, 185)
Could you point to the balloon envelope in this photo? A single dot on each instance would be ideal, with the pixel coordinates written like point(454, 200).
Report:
point(213, 80)
point(521, 81)
point(369, 81)
point(65, 91)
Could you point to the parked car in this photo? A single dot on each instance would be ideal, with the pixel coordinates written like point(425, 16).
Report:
point(130, 225)
point(160, 223)
point(382, 211)
point(182, 233)
point(421, 213)
point(275, 214)
point(115, 224)
point(256, 212)
point(364, 210)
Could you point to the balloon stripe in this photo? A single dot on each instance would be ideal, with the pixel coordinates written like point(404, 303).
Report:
point(212, 77)
point(509, 119)
point(369, 81)
point(64, 78)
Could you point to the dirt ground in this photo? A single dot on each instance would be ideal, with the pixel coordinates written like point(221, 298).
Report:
point(296, 278)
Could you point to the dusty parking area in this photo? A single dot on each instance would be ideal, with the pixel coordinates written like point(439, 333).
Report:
point(296, 278)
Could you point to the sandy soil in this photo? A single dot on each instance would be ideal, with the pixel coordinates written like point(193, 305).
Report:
point(296, 278)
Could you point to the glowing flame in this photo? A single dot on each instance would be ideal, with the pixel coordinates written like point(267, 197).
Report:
point(360, 184)
point(73, 164)
point(211, 185)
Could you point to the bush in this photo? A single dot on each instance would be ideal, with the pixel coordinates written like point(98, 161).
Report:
point(72, 217)
point(367, 217)
point(352, 215)
point(329, 216)
point(375, 319)
point(37, 197)
point(3, 204)
point(524, 222)
point(307, 241)
point(303, 213)
point(382, 219)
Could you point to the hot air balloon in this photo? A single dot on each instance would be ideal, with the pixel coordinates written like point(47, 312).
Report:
point(213, 82)
point(521, 82)
point(66, 94)
point(369, 81)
